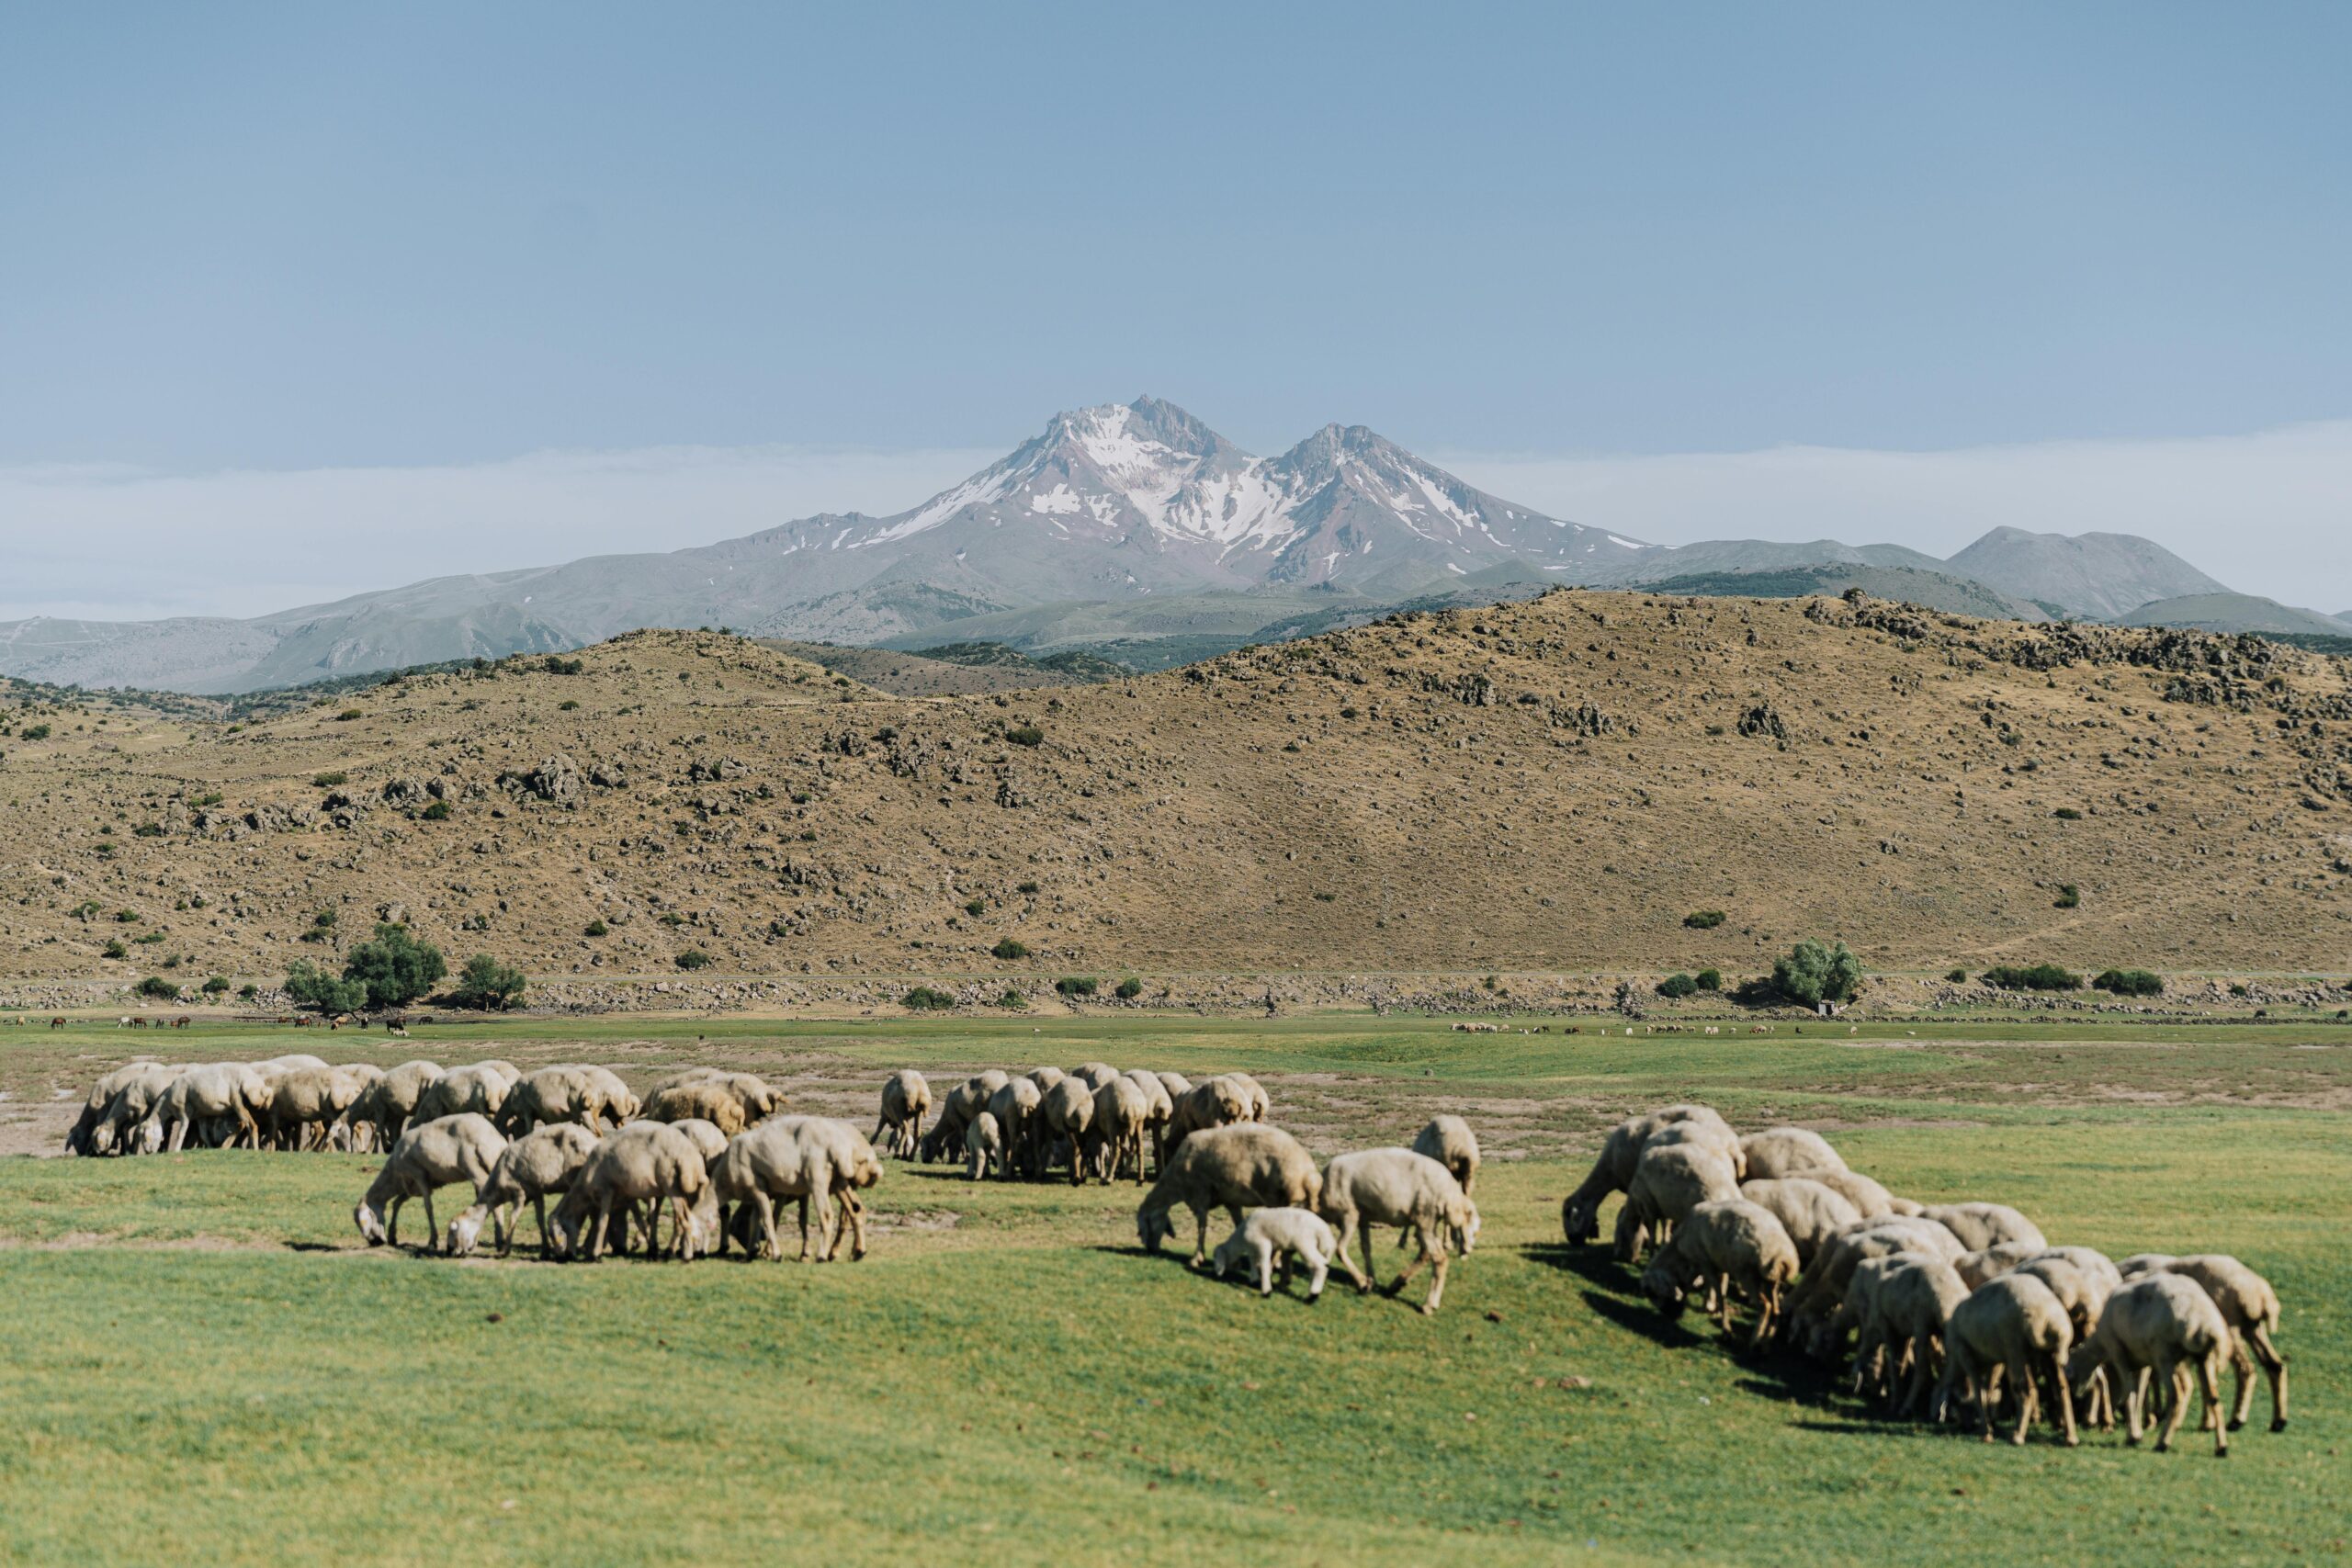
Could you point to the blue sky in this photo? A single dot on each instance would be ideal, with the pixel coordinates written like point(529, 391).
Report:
point(326, 237)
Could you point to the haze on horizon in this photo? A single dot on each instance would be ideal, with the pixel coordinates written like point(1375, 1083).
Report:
point(296, 303)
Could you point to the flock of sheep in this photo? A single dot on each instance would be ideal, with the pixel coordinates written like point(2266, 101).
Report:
point(1774, 1220)
point(1969, 1297)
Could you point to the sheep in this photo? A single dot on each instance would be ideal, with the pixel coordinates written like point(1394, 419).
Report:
point(391, 1105)
point(1176, 1084)
point(1265, 1234)
point(1261, 1105)
point(481, 1089)
point(1094, 1074)
point(1613, 1170)
point(2083, 1293)
point(1234, 1167)
point(854, 1167)
point(306, 1101)
point(1979, 1225)
point(983, 1146)
point(551, 1094)
point(352, 1129)
point(1869, 1200)
point(1015, 1105)
point(78, 1141)
point(530, 1168)
point(1122, 1109)
point(753, 1097)
point(790, 1156)
point(2165, 1325)
point(1815, 1308)
point(1449, 1140)
point(705, 1099)
point(707, 1137)
point(645, 1162)
point(1914, 1297)
point(1992, 1262)
point(1219, 1103)
point(2010, 1324)
point(906, 1094)
point(1668, 1182)
point(429, 1155)
point(1811, 1211)
point(1068, 1111)
point(1397, 1187)
point(217, 1092)
point(1779, 1152)
point(2249, 1306)
point(1729, 1245)
point(1710, 1135)
point(1044, 1078)
point(1162, 1105)
point(611, 1100)
point(962, 1102)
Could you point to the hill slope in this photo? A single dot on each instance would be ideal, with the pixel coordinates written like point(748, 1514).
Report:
point(2090, 576)
point(1544, 785)
point(2235, 613)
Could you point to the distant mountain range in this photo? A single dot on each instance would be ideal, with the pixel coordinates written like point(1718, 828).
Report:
point(1131, 529)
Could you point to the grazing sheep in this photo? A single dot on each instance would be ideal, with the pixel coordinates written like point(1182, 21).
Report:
point(2014, 1326)
point(614, 1101)
point(983, 1146)
point(1992, 1262)
point(1816, 1307)
point(1122, 1109)
point(1094, 1074)
point(1728, 1245)
point(964, 1102)
point(1710, 1135)
point(216, 1094)
point(1232, 1168)
point(551, 1094)
point(480, 1089)
point(1914, 1298)
point(1068, 1111)
point(1397, 1187)
point(1979, 1225)
point(645, 1163)
point(305, 1103)
point(2249, 1306)
point(429, 1155)
point(1264, 1234)
point(1261, 1105)
point(1668, 1182)
point(1015, 1105)
point(706, 1099)
point(790, 1156)
point(753, 1095)
point(707, 1137)
point(1780, 1152)
point(1162, 1105)
point(905, 1097)
point(94, 1109)
point(854, 1168)
point(1613, 1170)
point(391, 1105)
point(1176, 1084)
point(130, 1124)
point(529, 1168)
point(2164, 1324)
point(1869, 1200)
point(1811, 1211)
point(354, 1129)
point(1449, 1140)
point(1044, 1078)
point(1219, 1103)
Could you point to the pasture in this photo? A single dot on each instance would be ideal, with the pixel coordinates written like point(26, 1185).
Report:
point(200, 1362)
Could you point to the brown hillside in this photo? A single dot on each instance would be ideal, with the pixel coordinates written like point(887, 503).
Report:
point(1550, 785)
point(912, 675)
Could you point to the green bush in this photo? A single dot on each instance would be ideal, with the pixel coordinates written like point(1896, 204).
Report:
point(487, 984)
point(975, 906)
point(217, 986)
point(596, 928)
point(1812, 973)
point(1129, 989)
point(1011, 999)
point(1075, 986)
point(394, 968)
point(1705, 920)
point(1008, 949)
point(310, 986)
point(436, 812)
point(922, 999)
point(2069, 896)
point(1677, 985)
point(1711, 979)
point(1028, 887)
point(155, 986)
point(694, 958)
point(328, 780)
point(35, 732)
point(1026, 735)
point(2068, 813)
point(2130, 982)
point(1957, 977)
point(347, 715)
point(248, 992)
point(115, 949)
point(2032, 977)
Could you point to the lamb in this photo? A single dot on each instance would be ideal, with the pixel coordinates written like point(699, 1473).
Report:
point(2165, 1325)
point(1729, 1245)
point(1265, 1234)
point(480, 1089)
point(1122, 1109)
point(529, 1168)
point(1233, 1167)
point(2012, 1325)
point(1068, 1112)
point(1809, 1211)
point(645, 1162)
point(2249, 1306)
point(1612, 1171)
point(1915, 1296)
point(429, 1155)
point(905, 1097)
point(1162, 1105)
point(1979, 1225)
point(1449, 1140)
point(1778, 1152)
point(791, 1156)
point(983, 1146)
point(1397, 1187)
point(1015, 1105)
point(705, 1099)
point(1668, 1182)
point(1219, 1103)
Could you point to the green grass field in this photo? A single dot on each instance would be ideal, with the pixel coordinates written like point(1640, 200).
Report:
point(199, 1362)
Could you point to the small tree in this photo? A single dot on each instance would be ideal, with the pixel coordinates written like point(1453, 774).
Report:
point(216, 987)
point(1812, 973)
point(2130, 982)
point(694, 958)
point(1009, 949)
point(487, 984)
point(307, 985)
point(395, 968)
point(1710, 979)
point(158, 987)
point(1677, 985)
point(924, 998)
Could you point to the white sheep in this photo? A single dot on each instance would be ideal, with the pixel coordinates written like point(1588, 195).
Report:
point(218, 1094)
point(646, 1163)
point(1121, 1112)
point(529, 1169)
point(1221, 1101)
point(1397, 1187)
point(1810, 1211)
point(391, 1105)
point(1727, 1246)
point(478, 1089)
point(1979, 1225)
point(1232, 1168)
point(1162, 1105)
point(1264, 1234)
point(80, 1139)
point(1711, 1135)
point(1670, 1181)
point(798, 1157)
point(1449, 1140)
point(1094, 1074)
point(429, 1155)
point(2249, 1306)
point(906, 1094)
point(983, 1146)
point(1780, 1152)
point(1816, 1319)
point(1612, 1169)
point(1015, 1105)
point(2164, 1324)
point(1992, 1262)
point(1914, 1296)
point(1869, 1200)
point(2013, 1325)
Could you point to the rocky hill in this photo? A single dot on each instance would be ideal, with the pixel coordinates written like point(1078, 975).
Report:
point(1550, 785)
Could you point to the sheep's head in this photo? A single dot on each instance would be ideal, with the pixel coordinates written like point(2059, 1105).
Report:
point(370, 1223)
point(1462, 1220)
point(1664, 1290)
point(1581, 1219)
point(1153, 1226)
point(866, 1170)
point(463, 1232)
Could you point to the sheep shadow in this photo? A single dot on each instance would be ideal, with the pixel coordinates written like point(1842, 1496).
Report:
point(1640, 1317)
point(1594, 1265)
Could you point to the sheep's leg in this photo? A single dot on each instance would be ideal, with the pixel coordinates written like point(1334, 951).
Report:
point(763, 1208)
point(604, 1223)
point(684, 1226)
point(2063, 1399)
point(432, 1225)
point(392, 1221)
point(2168, 1375)
point(2274, 1366)
point(539, 1207)
point(1319, 1269)
point(1265, 1269)
point(804, 1227)
point(1763, 1321)
point(2021, 1387)
point(1347, 1227)
point(1421, 1235)
point(2208, 1383)
point(1437, 1286)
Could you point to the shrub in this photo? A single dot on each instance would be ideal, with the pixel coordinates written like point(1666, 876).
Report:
point(126, 917)
point(148, 830)
point(1129, 989)
point(1008, 949)
point(248, 992)
point(217, 986)
point(596, 928)
point(557, 665)
point(1705, 920)
point(35, 732)
point(1028, 887)
point(2130, 982)
point(155, 986)
point(922, 999)
point(1677, 985)
point(1026, 735)
point(347, 715)
point(1711, 979)
point(2032, 977)
point(436, 812)
point(567, 705)
point(2069, 896)
point(975, 906)
point(2237, 990)
point(394, 968)
point(1957, 977)
point(308, 985)
point(115, 949)
point(328, 780)
point(1012, 999)
point(487, 984)
point(1813, 972)
point(1075, 986)
point(2068, 813)
point(694, 958)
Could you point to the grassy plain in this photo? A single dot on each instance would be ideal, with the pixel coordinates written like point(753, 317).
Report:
point(200, 1363)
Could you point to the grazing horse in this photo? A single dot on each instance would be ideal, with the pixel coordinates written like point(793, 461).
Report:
point(182, 1021)
point(57, 1023)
